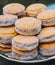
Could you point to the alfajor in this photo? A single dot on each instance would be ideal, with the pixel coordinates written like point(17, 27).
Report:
point(47, 49)
point(47, 34)
point(6, 34)
point(35, 9)
point(7, 20)
point(28, 26)
point(25, 43)
point(47, 17)
point(14, 8)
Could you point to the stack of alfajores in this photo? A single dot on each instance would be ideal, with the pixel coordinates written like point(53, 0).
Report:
point(35, 25)
point(7, 31)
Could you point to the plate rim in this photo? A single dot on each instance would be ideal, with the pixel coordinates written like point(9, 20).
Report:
point(32, 61)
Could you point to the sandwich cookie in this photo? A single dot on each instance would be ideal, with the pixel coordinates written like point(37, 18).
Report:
point(25, 43)
point(14, 8)
point(47, 49)
point(20, 55)
point(47, 34)
point(7, 20)
point(28, 26)
point(35, 9)
point(6, 34)
point(8, 46)
point(47, 17)
point(5, 50)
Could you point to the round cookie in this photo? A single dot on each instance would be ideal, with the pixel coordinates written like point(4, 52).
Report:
point(35, 9)
point(14, 8)
point(28, 26)
point(6, 34)
point(24, 55)
point(25, 43)
point(47, 17)
point(7, 20)
point(47, 34)
point(47, 49)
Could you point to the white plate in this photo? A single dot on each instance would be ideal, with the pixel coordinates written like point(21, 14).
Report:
point(38, 59)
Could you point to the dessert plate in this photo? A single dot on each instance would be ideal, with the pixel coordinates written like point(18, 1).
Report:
point(38, 59)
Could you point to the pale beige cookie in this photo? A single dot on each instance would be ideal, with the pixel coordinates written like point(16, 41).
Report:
point(47, 46)
point(23, 53)
point(7, 32)
point(35, 9)
point(26, 40)
point(21, 49)
point(7, 17)
point(14, 8)
point(46, 15)
point(47, 32)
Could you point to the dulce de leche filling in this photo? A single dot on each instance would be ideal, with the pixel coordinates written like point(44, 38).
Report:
point(5, 40)
point(9, 22)
point(42, 39)
point(48, 21)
